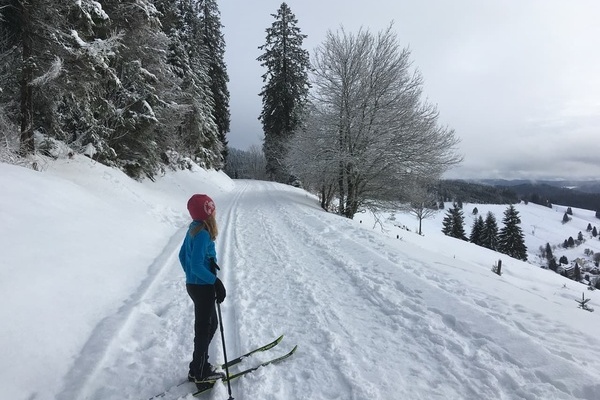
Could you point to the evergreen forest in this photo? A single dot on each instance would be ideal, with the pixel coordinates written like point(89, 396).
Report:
point(134, 84)
point(142, 85)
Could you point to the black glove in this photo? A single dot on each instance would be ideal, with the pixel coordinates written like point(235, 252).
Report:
point(214, 266)
point(220, 292)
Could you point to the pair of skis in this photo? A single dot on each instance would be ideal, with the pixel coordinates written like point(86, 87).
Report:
point(205, 386)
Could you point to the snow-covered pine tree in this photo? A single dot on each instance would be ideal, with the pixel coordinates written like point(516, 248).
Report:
point(453, 223)
point(38, 42)
point(477, 231)
point(131, 89)
point(577, 273)
point(563, 260)
point(448, 223)
point(102, 69)
point(75, 101)
point(511, 240)
point(548, 252)
point(200, 124)
point(214, 43)
point(552, 264)
point(10, 67)
point(20, 20)
point(197, 132)
point(133, 95)
point(285, 92)
point(106, 80)
point(489, 234)
point(458, 230)
point(177, 31)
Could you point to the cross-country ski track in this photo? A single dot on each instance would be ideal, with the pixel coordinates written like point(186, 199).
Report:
point(375, 317)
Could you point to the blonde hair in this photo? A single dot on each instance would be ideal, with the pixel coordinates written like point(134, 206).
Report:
point(210, 224)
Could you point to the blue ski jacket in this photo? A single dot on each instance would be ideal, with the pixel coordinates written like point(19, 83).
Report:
point(195, 254)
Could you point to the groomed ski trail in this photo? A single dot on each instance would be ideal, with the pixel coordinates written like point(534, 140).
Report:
point(370, 322)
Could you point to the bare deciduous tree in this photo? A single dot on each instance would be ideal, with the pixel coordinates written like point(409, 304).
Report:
point(368, 127)
point(311, 156)
point(422, 203)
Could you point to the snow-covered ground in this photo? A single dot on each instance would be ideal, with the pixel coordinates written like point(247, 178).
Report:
point(94, 303)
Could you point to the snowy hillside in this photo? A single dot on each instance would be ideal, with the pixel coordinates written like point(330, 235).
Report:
point(94, 303)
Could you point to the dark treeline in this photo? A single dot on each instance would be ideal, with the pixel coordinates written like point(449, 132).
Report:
point(585, 186)
point(546, 194)
point(458, 190)
point(543, 194)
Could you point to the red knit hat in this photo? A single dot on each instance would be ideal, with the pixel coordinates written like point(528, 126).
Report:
point(200, 207)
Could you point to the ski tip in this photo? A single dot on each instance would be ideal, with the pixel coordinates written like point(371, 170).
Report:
point(279, 339)
point(294, 349)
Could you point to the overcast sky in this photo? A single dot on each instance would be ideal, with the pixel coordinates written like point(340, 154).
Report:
point(519, 80)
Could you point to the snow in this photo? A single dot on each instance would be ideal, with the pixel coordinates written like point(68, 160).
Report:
point(94, 303)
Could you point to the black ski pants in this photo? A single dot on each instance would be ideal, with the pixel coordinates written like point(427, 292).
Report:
point(205, 326)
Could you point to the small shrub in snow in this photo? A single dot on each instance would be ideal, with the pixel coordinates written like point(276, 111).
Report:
point(583, 303)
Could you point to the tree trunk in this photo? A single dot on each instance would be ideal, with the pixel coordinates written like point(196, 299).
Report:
point(341, 191)
point(352, 194)
point(27, 145)
point(326, 195)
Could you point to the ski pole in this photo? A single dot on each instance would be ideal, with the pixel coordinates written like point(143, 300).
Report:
point(224, 350)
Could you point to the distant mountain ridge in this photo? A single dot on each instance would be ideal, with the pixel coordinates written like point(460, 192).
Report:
point(580, 194)
point(585, 186)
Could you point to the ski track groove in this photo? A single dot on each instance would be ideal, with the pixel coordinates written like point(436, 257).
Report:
point(230, 261)
point(459, 348)
point(294, 283)
point(251, 221)
point(337, 265)
point(311, 301)
point(105, 341)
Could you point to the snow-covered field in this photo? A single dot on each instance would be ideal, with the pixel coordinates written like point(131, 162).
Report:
point(94, 303)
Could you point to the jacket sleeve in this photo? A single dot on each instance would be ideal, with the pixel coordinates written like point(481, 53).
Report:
point(201, 251)
point(212, 253)
point(182, 255)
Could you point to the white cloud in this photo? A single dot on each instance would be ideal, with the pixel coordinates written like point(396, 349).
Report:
point(511, 74)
